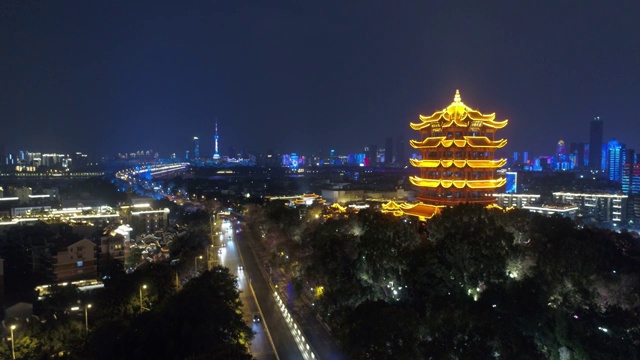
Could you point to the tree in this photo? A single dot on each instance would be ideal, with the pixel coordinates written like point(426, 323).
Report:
point(384, 243)
point(471, 246)
point(204, 320)
point(379, 330)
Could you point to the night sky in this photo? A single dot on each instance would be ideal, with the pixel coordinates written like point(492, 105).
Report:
point(302, 76)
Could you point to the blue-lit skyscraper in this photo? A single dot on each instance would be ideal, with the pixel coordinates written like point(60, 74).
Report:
point(196, 148)
point(616, 154)
point(512, 183)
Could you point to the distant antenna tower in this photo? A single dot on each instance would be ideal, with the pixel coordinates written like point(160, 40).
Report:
point(216, 152)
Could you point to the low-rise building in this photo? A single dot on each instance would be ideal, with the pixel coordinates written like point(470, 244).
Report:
point(76, 261)
point(143, 219)
point(599, 207)
point(112, 248)
point(569, 211)
point(517, 201)
point(342, 196)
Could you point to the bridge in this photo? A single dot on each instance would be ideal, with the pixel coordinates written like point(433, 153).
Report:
point(151, 171)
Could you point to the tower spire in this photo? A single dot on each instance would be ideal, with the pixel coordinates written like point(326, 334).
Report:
point(216, 152)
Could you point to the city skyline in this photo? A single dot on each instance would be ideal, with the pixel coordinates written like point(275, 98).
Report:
point(293, 77)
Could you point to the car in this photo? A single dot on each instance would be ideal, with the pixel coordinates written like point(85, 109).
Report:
point(219, 251)
point(256, 318)
point(240, 268)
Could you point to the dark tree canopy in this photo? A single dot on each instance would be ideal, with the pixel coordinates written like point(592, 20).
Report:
point(203, 320)
point(482, 283)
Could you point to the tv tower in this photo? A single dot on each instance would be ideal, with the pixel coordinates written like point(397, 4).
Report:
point(216, 153)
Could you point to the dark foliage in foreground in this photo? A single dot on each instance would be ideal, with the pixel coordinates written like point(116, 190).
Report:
point(480, 284)
point(202, 321)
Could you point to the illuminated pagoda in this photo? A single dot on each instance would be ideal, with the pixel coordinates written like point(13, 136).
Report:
point(457, 146)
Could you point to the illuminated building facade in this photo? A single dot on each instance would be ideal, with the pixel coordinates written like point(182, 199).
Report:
point(563, 160)
point(517, 201)
point(598, 207)
point(579, 155)
point(631, 188)
point(615, 159)
point(457, 146)
point(196, 148)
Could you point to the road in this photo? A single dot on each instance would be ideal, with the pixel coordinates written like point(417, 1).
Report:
point(324, 345)
point(283, 340)
point(272, 321)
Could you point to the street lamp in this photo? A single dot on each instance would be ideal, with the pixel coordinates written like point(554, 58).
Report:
point(210, 249)
point(13, 349)
point(86, 317)
point(195, 268)
point(142, 287)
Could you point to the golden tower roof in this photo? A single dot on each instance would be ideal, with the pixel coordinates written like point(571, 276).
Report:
point(460, 114)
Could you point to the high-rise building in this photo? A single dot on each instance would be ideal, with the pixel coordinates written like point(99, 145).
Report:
point(216, 152)
point(631, 157)
point(561, 149)
point(577, 152)
point(599, 207)
point(372, 154)
point(631, 179)
point(586, 156)
point(595, 144)
point(562, 159)
point(196, 148)
point(400, 153)
point(616, 154)
point(631, 188)
point(458, 147)
point(388, 151)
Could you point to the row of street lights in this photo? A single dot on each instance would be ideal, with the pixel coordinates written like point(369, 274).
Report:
point(75, 308)
point(86, 317)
